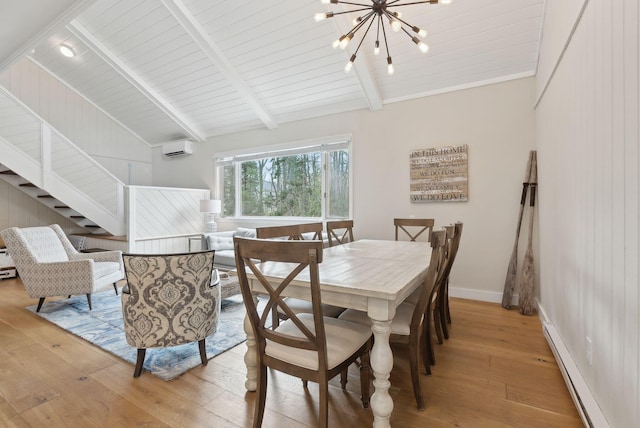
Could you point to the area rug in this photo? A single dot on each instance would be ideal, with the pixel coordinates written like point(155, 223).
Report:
point(103, 327)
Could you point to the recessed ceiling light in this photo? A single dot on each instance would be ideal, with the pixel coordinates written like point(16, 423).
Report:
point(67, 51)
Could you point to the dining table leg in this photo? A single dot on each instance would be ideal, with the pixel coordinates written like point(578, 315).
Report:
point(381, 364)
point(250, 357)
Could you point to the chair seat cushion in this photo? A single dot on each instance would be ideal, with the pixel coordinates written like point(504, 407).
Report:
point(300, 306)
point(343, 339)
point(400, 325)
point(101, 269)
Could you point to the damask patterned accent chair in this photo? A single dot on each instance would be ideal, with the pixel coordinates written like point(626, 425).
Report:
point(169, 300)
point(50, 266)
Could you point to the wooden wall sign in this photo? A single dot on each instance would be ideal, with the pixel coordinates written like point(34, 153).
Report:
point(439, 174)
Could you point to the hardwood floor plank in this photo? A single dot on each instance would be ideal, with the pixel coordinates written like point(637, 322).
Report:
point(495, 371)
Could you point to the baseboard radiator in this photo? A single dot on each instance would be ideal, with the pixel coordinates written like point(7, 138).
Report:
point(586, 404)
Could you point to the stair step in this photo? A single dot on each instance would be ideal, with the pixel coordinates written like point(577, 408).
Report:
point(77, 216)
point(8, 172)
point(45, 196)
point(27, 185)
point(92, 225)
point(59, 207)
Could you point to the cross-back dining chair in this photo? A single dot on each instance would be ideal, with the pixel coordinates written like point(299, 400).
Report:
point(408, 325)
point(441, 309)
point(296, 232)
point(413, 227)
point(307, 345)
point(339, 232)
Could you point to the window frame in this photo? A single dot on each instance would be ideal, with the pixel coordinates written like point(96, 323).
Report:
point(323, 145)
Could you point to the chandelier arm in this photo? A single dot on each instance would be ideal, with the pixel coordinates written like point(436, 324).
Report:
point(384, 34)
point(398, 19)
point(391, 4)
point(349, 11)
point(363, 37)
point(359, 25)
point(354, 4)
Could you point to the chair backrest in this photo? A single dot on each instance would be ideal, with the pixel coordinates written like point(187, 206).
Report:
point(177, 290)
point(414, 227)
point(340, 232)
point(454, 233)
point(295, 232)
point(41, 244)
point(434, 276)
point(302, 257)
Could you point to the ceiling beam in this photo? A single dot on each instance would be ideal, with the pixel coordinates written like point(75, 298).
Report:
point(59, 22)
point(219, 59)
point(133, 78)
point(365, 78)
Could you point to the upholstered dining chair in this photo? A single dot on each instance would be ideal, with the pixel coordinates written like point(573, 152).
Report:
point(409, 324)
point(50, 266)
point(339, 232)
point(169, 300)
point(308, 345)
point(296, 232)
point(413, 227)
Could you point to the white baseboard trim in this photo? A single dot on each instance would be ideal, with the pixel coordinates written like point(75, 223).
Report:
point(584, 400)
point(483, 296)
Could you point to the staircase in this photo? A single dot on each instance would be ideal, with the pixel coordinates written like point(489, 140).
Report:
point(45, 198)
point(42, 163)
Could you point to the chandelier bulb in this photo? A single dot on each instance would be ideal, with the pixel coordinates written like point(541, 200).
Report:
point(424, 48)
point(336, 43)
point(421, 32)
point(357, 20)
point(445, 1)
point(390, 69)
point(349, 65)
point(322, 16)
point(344, 42)
point(376, 49)
point(396, 25)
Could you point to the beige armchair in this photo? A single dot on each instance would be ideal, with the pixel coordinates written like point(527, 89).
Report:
point(50, 266)
point(169, 300)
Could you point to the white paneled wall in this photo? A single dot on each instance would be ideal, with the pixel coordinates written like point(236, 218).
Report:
point(79, 120)
point(588, 159)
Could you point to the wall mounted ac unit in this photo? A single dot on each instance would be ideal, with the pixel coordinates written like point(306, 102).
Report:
point(178, 148)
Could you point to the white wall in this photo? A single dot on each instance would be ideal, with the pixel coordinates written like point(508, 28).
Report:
point(588, 154)
point(497, 123)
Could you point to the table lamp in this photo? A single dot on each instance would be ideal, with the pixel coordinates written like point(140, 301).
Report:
point(211, 207)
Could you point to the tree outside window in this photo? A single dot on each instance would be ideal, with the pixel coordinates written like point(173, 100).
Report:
point(312, 183)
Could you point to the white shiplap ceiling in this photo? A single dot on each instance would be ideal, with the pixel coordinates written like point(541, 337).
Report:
point(170, 69)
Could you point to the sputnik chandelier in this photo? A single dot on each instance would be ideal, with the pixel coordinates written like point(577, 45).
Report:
point(375, 13)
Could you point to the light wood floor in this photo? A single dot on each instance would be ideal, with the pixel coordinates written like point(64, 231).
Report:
point(495, 371)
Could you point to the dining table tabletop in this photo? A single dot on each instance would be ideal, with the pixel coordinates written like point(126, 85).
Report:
point(374, 276)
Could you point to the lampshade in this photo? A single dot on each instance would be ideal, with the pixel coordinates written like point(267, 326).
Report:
point(210, 206)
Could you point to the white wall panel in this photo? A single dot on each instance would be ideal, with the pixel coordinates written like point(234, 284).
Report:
point(588, 151)
point(76, 118)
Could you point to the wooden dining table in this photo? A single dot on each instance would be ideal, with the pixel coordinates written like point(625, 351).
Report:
point(374, 276)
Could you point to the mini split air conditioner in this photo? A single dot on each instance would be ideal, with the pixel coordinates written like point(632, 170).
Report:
point(178, 148)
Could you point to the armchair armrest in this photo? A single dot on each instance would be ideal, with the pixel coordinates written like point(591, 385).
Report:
point(102, 256)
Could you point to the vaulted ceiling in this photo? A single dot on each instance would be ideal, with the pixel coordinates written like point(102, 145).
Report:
point(170, 69)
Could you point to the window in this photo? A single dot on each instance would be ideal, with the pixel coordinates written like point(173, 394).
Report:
point(310, 181)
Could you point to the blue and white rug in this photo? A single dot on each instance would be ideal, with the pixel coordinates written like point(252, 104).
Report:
point(103, 327)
